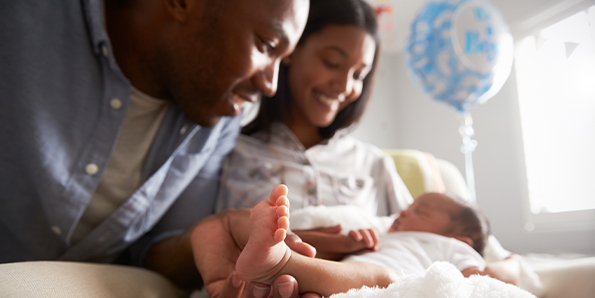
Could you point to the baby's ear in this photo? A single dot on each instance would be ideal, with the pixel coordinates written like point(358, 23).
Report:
point(465, 239)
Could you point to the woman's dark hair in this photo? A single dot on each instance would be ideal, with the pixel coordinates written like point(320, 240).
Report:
point(322, 13)
point(470, 222)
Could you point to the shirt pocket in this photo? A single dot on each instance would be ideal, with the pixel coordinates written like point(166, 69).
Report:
point(354, 190)
point(247, 181)
point(260, 169)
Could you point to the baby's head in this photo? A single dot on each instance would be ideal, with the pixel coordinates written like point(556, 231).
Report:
point(446, 215)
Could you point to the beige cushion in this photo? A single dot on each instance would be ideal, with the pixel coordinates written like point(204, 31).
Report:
point(422, 172)
point(453, 179)
point(573, 278)
point(69, 279)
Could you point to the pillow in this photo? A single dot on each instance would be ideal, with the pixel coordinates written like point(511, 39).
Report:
point(419, 170)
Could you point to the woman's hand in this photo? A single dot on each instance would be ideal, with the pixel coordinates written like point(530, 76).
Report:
point(368, 237)
point(330, 244)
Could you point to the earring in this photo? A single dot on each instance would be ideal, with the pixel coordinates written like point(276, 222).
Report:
point(285, 61)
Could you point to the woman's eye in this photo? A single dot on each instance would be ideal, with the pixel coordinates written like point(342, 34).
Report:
point(361, 74)
point(330, 64)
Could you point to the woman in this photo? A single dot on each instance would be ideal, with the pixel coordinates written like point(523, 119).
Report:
point(299, 136)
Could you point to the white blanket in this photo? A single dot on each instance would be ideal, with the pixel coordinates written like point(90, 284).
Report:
point(440, 280)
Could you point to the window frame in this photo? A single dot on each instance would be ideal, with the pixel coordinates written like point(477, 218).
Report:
point(555, 221)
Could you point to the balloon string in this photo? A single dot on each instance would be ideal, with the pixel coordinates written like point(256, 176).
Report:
point(467, 148)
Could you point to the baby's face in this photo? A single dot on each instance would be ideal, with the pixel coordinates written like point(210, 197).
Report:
point(430, 212)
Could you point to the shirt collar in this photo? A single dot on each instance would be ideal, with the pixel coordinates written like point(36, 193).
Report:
point(281, 135)
point(93, 11)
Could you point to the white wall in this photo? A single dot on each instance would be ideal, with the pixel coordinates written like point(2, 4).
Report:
point(401, 116)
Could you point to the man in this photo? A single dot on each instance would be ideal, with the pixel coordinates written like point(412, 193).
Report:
point(113, 113)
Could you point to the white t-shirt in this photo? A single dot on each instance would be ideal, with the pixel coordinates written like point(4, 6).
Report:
point(123, 173)
point(414, 252)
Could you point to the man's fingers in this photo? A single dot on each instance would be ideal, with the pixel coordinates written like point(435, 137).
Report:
point(311, 295)
point(256, 290)
point(285, 286)
point(232, 287)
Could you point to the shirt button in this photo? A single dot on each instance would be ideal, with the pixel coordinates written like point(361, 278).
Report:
point(104, 50)
point(91, 169)
point(115, 103)
point(252, 173)
point(184, 129)
point(57, 230)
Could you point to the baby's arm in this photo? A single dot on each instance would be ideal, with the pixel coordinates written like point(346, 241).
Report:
point(506, 271)
point(472, 271)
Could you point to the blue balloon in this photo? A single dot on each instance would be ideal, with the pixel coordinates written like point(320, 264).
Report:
point(460, 51)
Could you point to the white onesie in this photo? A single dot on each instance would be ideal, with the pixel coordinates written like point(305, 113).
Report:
point(414, 252)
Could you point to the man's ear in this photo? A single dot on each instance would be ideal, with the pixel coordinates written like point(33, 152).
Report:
point(286, 61)
point(179, 9)
point(467, 240)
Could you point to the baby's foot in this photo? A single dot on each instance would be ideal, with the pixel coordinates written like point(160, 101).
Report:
point(266, 253)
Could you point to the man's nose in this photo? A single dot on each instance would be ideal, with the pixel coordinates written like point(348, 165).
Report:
point(266, 79)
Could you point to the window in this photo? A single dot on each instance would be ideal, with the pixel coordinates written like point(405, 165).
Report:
point(556, 82)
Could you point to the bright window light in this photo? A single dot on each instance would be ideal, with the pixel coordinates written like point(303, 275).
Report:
point(556, 82)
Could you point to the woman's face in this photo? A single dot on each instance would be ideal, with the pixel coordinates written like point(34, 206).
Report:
point(326, 72)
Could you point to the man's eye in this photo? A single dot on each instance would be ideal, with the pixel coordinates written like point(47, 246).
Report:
point(267, 46)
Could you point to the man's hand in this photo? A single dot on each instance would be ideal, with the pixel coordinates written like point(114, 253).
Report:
point(212, 247)
point(217, 246)
point(284, 286)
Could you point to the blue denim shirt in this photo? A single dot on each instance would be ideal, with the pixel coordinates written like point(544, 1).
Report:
point(57, 79)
